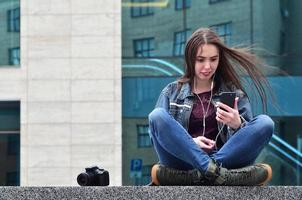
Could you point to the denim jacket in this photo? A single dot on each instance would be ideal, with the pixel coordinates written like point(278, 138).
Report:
point(179, 103)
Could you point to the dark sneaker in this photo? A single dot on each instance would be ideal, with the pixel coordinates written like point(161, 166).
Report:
point(162, 175)
point(257, 174)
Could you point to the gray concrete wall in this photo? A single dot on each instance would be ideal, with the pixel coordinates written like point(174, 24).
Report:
point(69, 84)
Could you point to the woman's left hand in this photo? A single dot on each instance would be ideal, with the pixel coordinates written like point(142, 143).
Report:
point(229, 116)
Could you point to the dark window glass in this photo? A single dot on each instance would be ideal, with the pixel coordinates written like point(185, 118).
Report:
point(10, 33)
point(13, 145)
point(14, 56)
point(12, 178)
point(144, 47)
point(9, 143)
point(181, 4)
point(224, 31)
point(144, 10)
point(180, 39)
point(13, 19)
point(143, 138)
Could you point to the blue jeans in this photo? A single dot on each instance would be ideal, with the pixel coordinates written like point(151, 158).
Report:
point(176, 148)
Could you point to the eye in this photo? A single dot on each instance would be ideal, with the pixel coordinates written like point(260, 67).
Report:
point(214, 59)
point(200, 60)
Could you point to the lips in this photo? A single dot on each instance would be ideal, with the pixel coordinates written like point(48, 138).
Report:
point(205, 73)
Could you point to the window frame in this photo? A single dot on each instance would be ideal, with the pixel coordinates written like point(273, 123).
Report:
point(142, 136)
point(12, 57)
point(13, 20)
point(216, 1)
point(227, 36)
point(150, 51)
point(176, 45)
point(185, 4)
point(141, 11)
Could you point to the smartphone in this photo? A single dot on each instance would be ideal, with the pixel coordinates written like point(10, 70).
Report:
point(228, 98)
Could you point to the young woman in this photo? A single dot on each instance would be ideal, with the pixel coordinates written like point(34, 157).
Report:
point(198, 139)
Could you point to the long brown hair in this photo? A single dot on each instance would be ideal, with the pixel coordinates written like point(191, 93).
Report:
point(232, 63)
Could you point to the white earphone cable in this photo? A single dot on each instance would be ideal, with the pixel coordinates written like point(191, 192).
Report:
point(205, 112)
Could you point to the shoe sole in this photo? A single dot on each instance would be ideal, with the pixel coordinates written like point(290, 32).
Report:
point(269, 174)
point(154, 174)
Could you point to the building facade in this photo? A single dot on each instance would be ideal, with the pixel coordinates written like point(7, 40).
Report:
point(66, 89)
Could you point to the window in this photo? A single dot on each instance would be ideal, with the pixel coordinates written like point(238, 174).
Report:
point(182, 4)
point(215, 1)
point(13, 144)
point(143, 138)
point(224, 31)
point(144, 47)
point(13, 20)
point(12, 179)
point(14, 56)
point(10, 36)
point(144, 89)
point(145, 10)
point(10, 143)
point(180, 39)
point(146, 176)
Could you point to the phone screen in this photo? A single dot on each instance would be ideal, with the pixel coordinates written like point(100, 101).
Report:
point(228, 98)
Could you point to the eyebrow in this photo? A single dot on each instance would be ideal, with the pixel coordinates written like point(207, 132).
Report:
point(205, 57)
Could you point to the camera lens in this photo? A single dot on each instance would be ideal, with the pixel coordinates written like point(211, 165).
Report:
point(83, 179)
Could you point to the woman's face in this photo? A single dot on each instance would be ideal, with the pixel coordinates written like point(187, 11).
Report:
point(206, 63)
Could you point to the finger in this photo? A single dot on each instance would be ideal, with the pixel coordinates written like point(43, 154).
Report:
point(236, 103)
point(211, 143)
point(220, 119)
point(223, 113)
point(224, 106)
point(208, 141)
point(206, 146)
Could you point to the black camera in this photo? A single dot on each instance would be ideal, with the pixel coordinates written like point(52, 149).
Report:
point(93, 176)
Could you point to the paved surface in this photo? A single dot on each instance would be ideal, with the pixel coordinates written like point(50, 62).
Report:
point(133, 193)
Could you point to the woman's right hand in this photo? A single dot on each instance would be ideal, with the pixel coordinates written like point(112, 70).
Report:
point(204, 143)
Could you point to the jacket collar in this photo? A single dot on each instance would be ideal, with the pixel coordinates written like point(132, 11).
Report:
point(186, 91)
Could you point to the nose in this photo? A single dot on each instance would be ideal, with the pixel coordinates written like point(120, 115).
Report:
point(207, 65)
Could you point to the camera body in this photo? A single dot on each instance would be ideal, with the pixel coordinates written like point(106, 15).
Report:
point(93, 176)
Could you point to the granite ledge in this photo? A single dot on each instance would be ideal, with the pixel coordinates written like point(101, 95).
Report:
point(145, 192)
